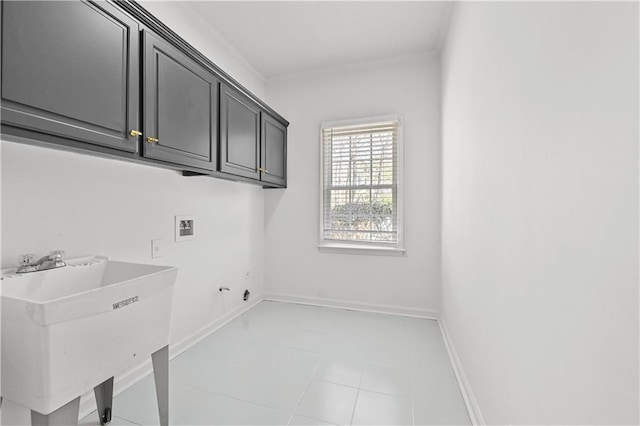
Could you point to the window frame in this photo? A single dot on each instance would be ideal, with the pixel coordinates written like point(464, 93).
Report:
point(354, 247)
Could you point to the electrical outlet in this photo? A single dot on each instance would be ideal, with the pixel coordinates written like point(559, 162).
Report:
point(157, 249)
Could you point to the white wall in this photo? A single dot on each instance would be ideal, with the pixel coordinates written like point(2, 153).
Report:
point(87, 205)
point(540, 209)
point(293, 264)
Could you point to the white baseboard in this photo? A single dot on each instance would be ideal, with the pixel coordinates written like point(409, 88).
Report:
point(179, 347)
point(463, 383)
point(353, 305)
point(131, 377)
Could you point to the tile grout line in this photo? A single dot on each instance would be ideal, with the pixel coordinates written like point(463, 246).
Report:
point(128, 421)
point(411, 384)
point(116, 417)
point(259, 404)
point(355, 404)
point(226, 395)
point(306, 388)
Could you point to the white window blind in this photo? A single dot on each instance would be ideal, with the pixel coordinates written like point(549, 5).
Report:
point(360, 183)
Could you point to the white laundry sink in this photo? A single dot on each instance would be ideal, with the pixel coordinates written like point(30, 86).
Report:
point(68, 329)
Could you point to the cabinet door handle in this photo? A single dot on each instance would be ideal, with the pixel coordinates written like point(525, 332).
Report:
point(152, 140)
point(135, 133)
point(260, 169)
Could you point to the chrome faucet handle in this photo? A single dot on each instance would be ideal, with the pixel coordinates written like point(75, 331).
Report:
point(56, 255)
point(26, 259)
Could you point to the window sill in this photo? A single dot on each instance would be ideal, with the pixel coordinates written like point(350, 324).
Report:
point(355, 249)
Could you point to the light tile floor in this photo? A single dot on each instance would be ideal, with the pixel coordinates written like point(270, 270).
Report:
point(283, 363)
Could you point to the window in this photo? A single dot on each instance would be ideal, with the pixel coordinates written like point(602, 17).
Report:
point(361, 185)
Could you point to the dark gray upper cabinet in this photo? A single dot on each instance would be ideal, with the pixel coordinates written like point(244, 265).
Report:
point(71, 69)
point(180, 107)
point(239, 134)
point(73, 73)
point(273, 149)
point(253, 144)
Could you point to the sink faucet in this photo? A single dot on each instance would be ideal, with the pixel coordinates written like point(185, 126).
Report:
point(51, 261)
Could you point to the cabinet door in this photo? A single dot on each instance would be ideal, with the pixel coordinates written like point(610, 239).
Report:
point(239, 134)
point(71, 69)
point(180, 107)
point(273, 151)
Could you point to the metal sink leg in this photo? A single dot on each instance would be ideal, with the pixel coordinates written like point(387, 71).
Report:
point(104, 400)
point(160, 360)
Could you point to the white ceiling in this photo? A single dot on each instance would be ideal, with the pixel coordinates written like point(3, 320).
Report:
point(287, 37)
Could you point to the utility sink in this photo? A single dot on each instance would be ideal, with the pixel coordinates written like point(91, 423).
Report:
point(67, 330)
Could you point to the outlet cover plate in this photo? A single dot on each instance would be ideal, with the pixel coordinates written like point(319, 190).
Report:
point(184, 227)
point(157, 249)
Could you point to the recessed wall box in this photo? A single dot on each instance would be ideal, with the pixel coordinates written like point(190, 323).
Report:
point(185, 228)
